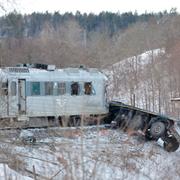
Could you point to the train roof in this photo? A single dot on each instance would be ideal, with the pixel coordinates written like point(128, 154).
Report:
point(65, 73)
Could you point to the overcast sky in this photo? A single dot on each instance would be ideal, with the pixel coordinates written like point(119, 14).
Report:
point(96, 6)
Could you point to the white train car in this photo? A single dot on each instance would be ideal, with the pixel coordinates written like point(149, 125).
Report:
point(28, 92)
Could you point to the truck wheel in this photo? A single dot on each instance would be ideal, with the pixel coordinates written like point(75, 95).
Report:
point(157, 129)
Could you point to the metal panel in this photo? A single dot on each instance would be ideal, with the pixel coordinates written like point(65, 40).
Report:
point(64, 105)
point(18, 70)
point(3, 106)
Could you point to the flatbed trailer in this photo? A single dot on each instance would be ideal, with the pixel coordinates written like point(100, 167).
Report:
point(152, 126)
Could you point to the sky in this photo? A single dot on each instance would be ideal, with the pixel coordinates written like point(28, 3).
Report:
point(94, 6)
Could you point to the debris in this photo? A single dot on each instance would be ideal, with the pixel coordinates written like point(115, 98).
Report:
point(27, 137)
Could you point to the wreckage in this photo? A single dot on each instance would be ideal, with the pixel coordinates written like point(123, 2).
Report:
point(38, 95)
point(150, 125)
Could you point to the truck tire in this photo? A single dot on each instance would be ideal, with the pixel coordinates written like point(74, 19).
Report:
point(157, 129)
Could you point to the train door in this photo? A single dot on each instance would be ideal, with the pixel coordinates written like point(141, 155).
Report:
point(4, 98)
point(12, 98)
point(22, 96)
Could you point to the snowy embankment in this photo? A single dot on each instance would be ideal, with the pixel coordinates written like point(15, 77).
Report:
point(120, 73)
point(87, 154)
point(142, 80)
point(7, 173)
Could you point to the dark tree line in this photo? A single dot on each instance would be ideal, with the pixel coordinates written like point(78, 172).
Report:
point(17, 25)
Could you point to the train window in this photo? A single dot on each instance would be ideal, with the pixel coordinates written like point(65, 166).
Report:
point(88, 88)
point(75, 88)
point(4, 88)
point(61, 88)
point(35, 88)
point(49, 88)
point(13, 88)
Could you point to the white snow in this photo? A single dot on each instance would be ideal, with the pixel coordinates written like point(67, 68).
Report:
point(91, 154)
point(6, 172)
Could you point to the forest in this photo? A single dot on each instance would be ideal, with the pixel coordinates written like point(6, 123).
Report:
point(93, 40)
point(17, 25)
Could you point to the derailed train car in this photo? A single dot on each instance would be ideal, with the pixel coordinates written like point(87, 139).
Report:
point(42, 92)
point(36, 95)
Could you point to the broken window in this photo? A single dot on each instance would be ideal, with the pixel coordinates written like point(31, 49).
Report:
point(88, 88)
point(75, 88)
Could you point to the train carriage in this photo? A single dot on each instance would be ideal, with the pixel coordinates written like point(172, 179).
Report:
point(29, 92)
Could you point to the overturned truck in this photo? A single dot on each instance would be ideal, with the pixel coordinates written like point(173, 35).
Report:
point(150, 125)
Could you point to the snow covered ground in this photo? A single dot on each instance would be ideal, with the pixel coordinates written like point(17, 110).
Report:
point(90, 153)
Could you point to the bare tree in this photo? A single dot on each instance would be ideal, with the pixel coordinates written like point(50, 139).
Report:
point(7, 5)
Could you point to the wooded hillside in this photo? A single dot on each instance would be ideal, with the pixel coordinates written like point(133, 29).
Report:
point(93, 40)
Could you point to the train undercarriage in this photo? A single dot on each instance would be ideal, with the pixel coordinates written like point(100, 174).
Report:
point(151, 126)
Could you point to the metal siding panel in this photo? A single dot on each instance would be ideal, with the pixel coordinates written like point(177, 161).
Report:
point(28, 88)
point(81, 86)
point(68, 88)
point(42, 88)
point(3, 106)
point(13, 107)
point(63, 105)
